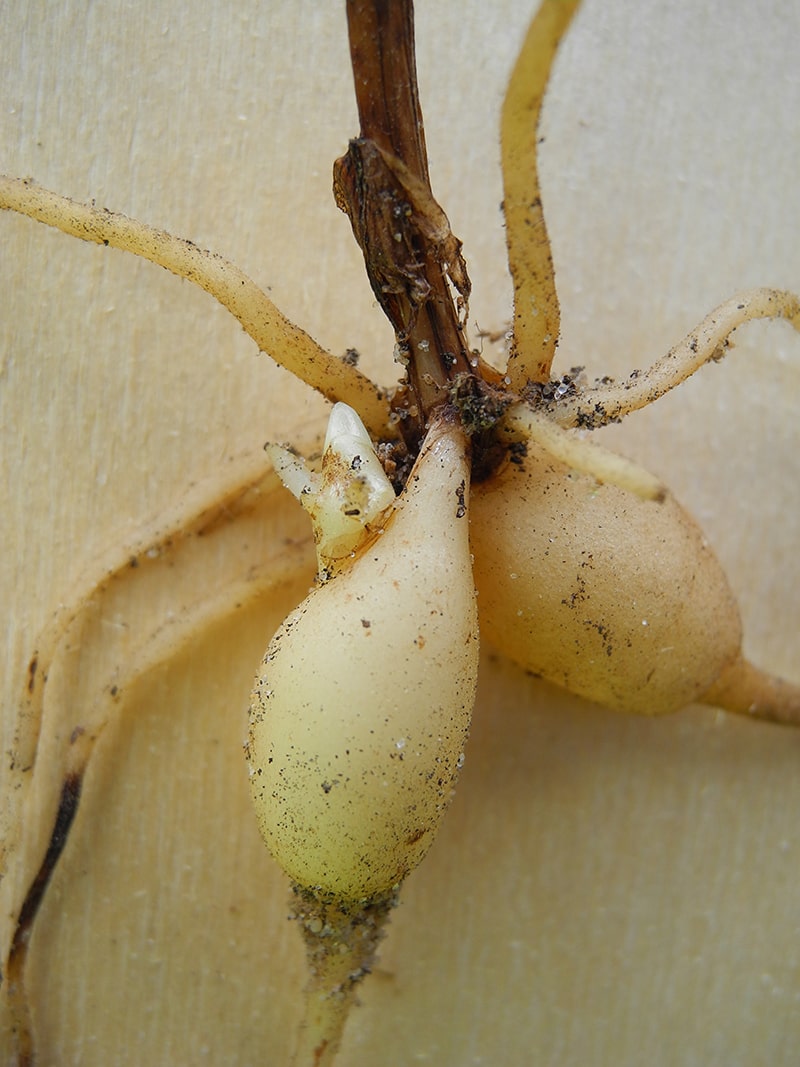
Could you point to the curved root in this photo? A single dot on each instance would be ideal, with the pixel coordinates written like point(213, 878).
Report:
point(287, 344)
point(341, 942)
point(709, 341)
point(246, 537)
point(521, 423)
point(530, 261)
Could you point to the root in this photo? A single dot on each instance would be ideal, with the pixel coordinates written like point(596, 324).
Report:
point(208, 506)
point(709, 341)
point(605, 466)
point(226, 547)
point(747, 690)
point(536, 311)
point(274, 334)
point(248, 490)
point(163, 644)
point(341, 940)
point(14, 970)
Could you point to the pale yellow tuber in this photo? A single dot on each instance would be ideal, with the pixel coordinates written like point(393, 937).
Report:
point(362, 705)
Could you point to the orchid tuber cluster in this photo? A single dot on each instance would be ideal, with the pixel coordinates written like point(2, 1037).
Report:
point(462, 495)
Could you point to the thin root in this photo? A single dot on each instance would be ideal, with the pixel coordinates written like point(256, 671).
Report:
point(253, 539)
point(747, 690)
point(341, 941)
point(165, 642)
point(606, 467)
point(530, 261)
point(608, 403)
point(274, 334)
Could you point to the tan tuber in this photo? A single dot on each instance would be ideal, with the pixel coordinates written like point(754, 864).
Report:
point(613, 597)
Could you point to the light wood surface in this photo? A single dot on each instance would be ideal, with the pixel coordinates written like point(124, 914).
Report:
point(606, 890)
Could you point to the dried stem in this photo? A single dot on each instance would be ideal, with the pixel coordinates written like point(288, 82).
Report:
point(412, 258)
point(381, 36)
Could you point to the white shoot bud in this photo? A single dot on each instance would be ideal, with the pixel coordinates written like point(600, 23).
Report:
point(348, 498)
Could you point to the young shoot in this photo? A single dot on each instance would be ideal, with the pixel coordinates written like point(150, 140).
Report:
point(347, 498)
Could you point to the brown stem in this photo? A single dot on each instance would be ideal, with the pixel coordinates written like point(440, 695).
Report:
point(413, 260)
point(385, 74)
